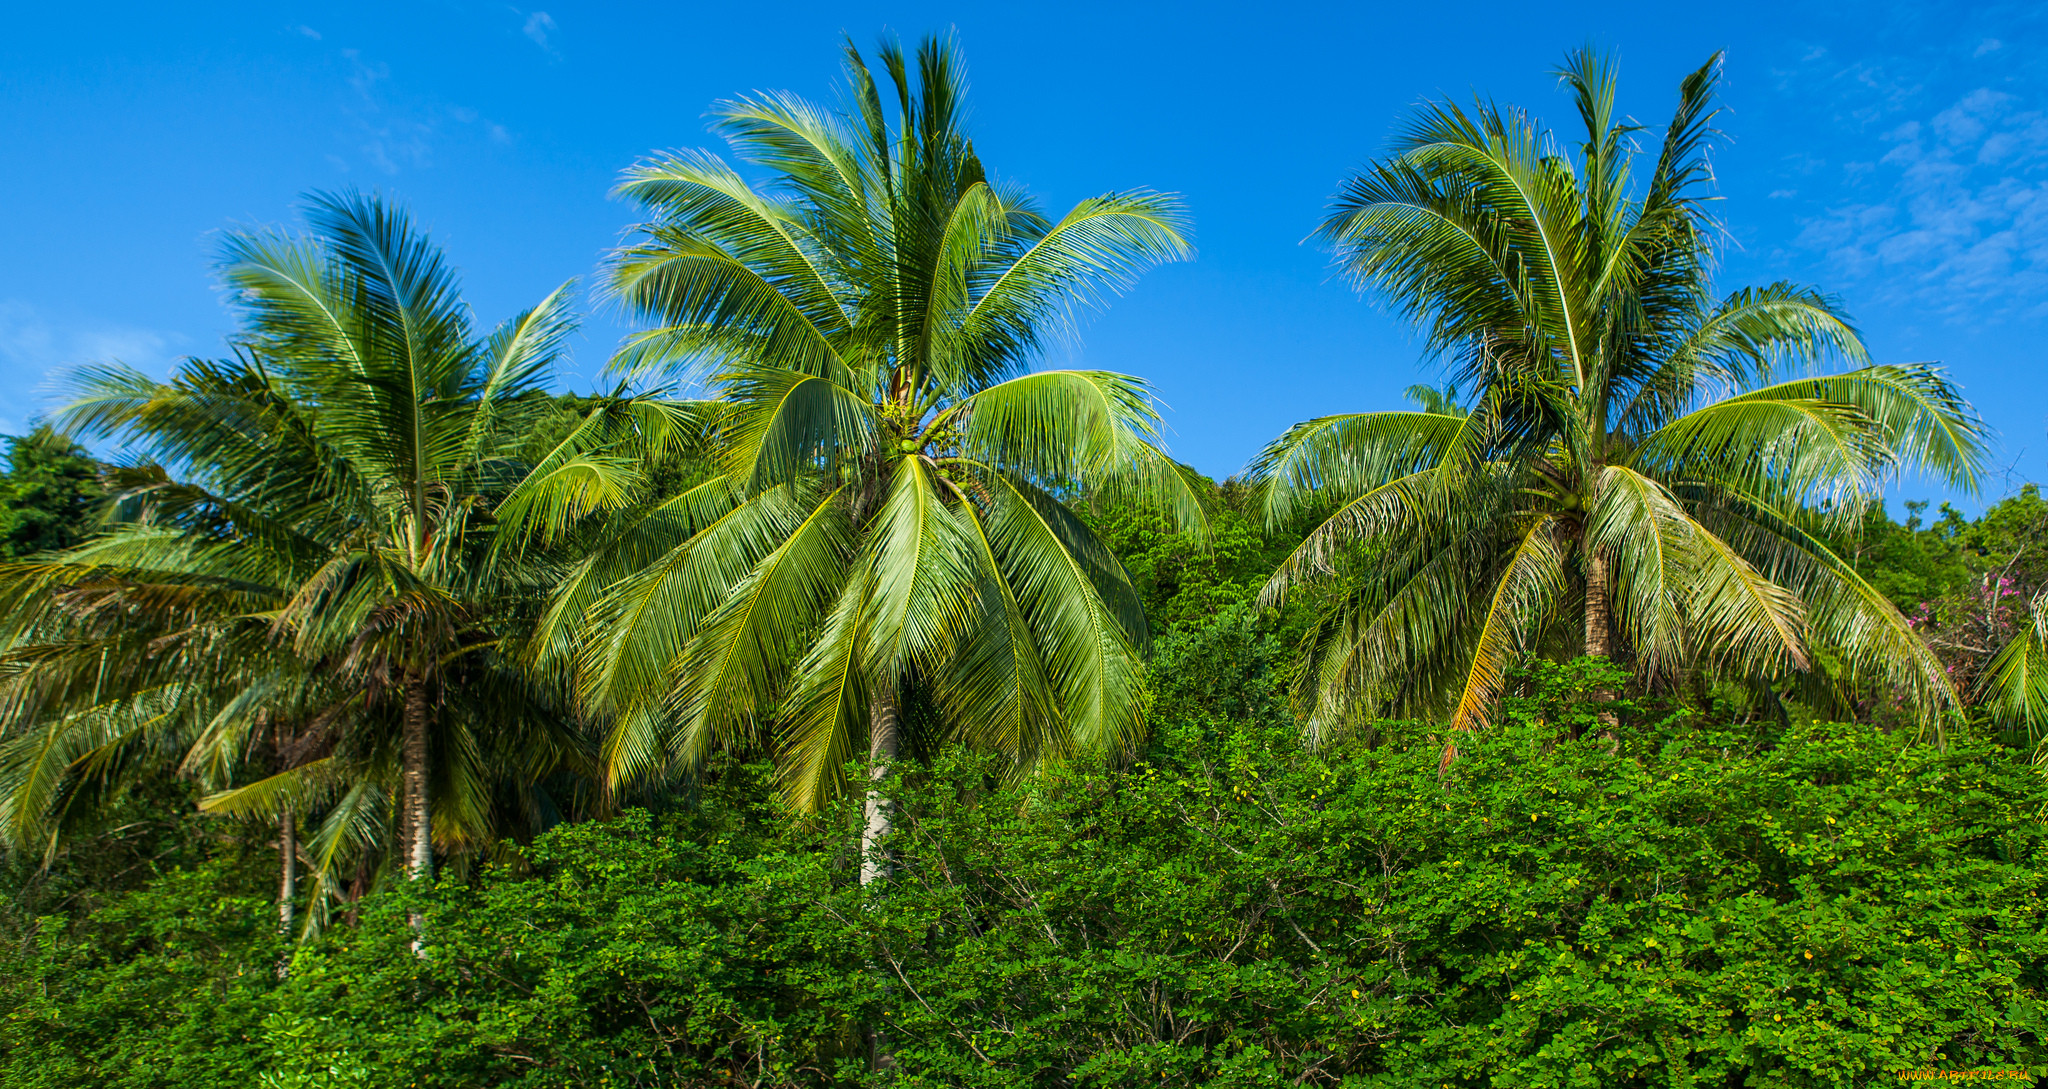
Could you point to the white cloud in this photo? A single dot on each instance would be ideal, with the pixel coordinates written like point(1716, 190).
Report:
point(391, 134)
point(390, 141)
point(398, 144)
point(496, 133)
point(1965, 121)
point(1802, 162)
point(538, 26)
point(36, 352)
point(364, 76)
point(22, 337)
point(308, 32)
point(1960, 225)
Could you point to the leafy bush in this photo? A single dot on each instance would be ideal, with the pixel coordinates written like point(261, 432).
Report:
point(1699, 903)
point(47, 493)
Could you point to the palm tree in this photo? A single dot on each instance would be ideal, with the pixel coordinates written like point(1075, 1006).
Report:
point(118, 654)
point(2014, 684)
point(885, 552)
point(1642, 474)
point(338, 585)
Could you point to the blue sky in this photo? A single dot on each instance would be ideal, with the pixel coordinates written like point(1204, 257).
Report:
point(1896, 155)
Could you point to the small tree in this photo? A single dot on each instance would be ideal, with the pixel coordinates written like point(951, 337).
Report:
point(47, 494)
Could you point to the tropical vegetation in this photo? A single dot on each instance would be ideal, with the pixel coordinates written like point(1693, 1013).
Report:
point(846, 699)
point(883, 551)
point(1641, 474)
point(304, 600)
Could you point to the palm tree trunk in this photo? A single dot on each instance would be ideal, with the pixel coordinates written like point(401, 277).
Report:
point(287, 884)
point(1600, 629)
point(352, 894)
point(418, 825)
point(1599, 608)
point(288, 870)
point(885, 734)
point(885, 743)
point(418, 819)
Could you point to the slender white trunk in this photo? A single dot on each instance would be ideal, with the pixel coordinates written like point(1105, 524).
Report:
point(287, 883)
point(419, 861)
point(288, 870)
point(885, 742)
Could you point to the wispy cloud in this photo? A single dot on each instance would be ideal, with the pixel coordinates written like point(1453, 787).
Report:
point(1860, 92)
point(388, 140)
point(496, 132)
point(391, 135)
point(539, 26)
point(36, 351)
point(1958, 222)
point(1921, 180)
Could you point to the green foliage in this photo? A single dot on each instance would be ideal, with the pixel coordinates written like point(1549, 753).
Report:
point(1918, 564)
point(873, 517)
point(2012, 534)
point(1695, 903)
point(1974, 591)
point(163, 987)
point(47, 494)
point(1909, 562)
point(1184, 578)
point(1928, 568)
point(888, 534)
point(1993, 628)
point(313, 575)
point(1636, 476)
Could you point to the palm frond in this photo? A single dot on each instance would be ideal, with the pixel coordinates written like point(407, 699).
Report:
point(2015, 684)
point(741, 653)
point(1337, 459)
point(1527, 589)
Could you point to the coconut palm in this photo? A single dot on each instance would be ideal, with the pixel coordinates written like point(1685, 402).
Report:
point(1645, 464)
point(115, 662)
point(888, 531)
point(142, 656)
point(334, 563)
point(2014, 684)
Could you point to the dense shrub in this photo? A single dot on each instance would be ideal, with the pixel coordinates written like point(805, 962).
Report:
point(48, 490)
point(1698, 904)
point(163, 986)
